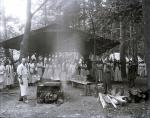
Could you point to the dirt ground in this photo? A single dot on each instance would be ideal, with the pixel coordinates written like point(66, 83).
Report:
point(75, 106)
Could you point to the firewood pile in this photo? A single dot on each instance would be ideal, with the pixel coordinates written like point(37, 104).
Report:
point(50, 93)
point(119, 98)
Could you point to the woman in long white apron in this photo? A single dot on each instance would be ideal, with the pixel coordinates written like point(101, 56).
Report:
point(2, 75)
point(46, 68)
point(100, 72)
point(40, 67)
point(32, 72)
point(9, 80)
point(117, 73)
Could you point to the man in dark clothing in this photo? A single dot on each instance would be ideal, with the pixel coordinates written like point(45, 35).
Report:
point(107, 78)
point(131, 74)
point(89, 64)
point(79, 69)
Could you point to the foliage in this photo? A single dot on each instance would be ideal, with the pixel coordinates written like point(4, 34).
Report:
point(99, 16)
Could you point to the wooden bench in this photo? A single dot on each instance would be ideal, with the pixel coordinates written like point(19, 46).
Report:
point(85, 83)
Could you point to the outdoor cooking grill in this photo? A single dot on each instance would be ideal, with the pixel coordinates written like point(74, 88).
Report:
point(49, 91)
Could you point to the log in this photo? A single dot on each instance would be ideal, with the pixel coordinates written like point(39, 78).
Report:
point(104, 104)
point(115, 101)
point(108, 100)
point(137, 95)
point(119, 98)
point(112, 102)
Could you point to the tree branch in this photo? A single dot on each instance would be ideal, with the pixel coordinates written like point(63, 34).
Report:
point(39, 8)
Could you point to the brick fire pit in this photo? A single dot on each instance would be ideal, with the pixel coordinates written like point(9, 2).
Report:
point(49, 91)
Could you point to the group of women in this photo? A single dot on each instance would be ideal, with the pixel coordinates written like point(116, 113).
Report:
point(115, 71)
point(63, 67)
point(35, 71)
point(60, 68)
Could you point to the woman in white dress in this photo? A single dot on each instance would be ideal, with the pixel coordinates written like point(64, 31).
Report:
point(117, 73)
point(73, 69)
point(2, 75)
point(100, 72)
point(67, 70)
point(9, 80)
point(46, 67)
point(40, 67)
point(32, 72)
point(141, 70)
point(50, 72)
point(58, 71)
point(63, 72)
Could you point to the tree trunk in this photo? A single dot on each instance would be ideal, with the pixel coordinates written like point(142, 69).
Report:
point(45, 15)
point(146, 11)
point(4, 32)
point(26, 36)
point(4, 24)
point(112, 31)
point(137, 36)
point(84, 14)
point(24, 51)
point(130, 40)
point(122, 49)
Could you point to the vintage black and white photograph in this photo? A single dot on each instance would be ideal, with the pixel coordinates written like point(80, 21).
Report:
point(74, 58)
